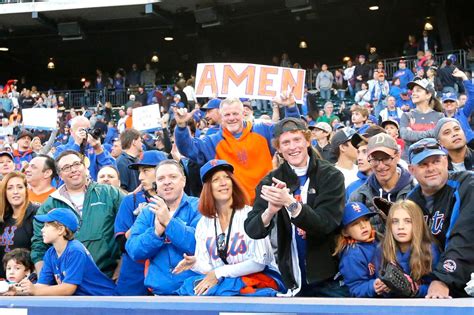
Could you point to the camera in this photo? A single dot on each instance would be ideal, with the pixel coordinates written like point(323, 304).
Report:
point(94, 132)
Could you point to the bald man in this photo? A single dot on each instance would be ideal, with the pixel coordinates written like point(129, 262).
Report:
point(95, 157)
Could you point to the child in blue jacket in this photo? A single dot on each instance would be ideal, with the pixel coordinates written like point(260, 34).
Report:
point(357, 246)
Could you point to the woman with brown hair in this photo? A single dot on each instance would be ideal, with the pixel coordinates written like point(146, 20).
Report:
point(16, 215)
point(229, 261)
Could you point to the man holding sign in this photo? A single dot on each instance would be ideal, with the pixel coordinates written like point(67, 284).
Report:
point(245, 145)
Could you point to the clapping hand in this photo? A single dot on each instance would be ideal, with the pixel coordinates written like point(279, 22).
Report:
point(185, 264)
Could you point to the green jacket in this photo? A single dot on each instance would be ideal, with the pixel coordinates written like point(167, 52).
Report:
point(96, 228)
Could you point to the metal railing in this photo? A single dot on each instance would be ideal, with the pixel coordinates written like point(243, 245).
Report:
point(391, 64)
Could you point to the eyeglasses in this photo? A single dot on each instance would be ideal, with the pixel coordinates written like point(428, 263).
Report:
point(385, 161)
point(221, 248)
point(73, 166)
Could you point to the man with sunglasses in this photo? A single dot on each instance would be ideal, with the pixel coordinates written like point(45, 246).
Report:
point(446, 200)
point(388, 179)
point(95, 205)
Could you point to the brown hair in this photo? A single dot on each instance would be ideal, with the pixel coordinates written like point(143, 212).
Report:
point(421, 256)
point(5, 206)
point(362, 110)
point(68, 235)
point(207, 206)
point(21, 256)
point(127, 137)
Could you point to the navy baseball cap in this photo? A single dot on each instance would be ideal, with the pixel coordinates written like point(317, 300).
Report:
point(288, 124)
point(212, 166)
point(424, 148)
point(450, 96)
point(64, 216)
point(355, 210)
point(9, 154)
point(343, 135)
point(178, 105)
point(150, 159)
point(212, 104)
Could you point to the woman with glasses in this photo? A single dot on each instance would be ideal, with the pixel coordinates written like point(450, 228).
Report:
point(16, 215)
point(232, 263)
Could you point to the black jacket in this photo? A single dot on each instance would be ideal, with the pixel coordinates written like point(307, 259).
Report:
point(452, 224)
point(468, 161)
point(13, 236)
point(320, 217)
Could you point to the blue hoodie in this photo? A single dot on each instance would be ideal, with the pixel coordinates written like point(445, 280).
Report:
point(405, 76)
point(404, 180)
point(166, 251)
point(354, 185)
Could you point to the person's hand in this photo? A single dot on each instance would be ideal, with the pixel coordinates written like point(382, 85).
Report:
point(137, 190)
point(161, 211)
point(175, 153)
point(208, 282)
point(25, 287)
point(182, 116)
point(380, 287)
point(286, 98)
point(277, 195)
point(438, 290)
point(80, 135)
point(459, 74)
point(185, 264)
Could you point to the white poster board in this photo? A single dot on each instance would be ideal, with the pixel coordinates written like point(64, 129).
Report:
point(146, 118)
point(40, 118)
point(248, 81)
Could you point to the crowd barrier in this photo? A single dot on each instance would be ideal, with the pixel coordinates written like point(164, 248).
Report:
point(229, 305)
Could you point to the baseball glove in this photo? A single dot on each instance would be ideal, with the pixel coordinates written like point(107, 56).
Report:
point(400, 284)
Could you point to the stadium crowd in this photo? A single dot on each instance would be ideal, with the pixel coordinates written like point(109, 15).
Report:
point(246, 197)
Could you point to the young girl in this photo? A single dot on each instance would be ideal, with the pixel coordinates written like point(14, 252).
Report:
point(409, 243)
point(357, 246)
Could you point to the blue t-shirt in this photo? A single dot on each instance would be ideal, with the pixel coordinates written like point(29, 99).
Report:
point(75, 266)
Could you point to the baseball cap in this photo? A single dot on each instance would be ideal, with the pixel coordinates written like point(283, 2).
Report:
point(452, 57)
point(381, 142)
point(62, 215)
point(178, 105)
point(366, 135)
point(388, 122)
point(212, 166)
point(24, 133)
point(450, 96)
point(441, 123)
point(2, 153)
point(149, 159)
point(212, 104)
point(354, 211)
point(424, 148)
point(288, 124)
point(320, 125)
point(423, 83)
point(247, 104)
point(342, 136)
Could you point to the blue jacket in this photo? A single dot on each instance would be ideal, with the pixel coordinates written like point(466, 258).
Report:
point(463, 114)
point(403, 259)
point(354, 185)
point(96, 161)
point(405, 76)
point(132, 273)
point(112, 133)
point(357, 266)
point(165, 252)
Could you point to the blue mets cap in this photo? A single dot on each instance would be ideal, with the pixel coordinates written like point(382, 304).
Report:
point(355, 210)
point(212, 104)
point(150, 159)
point(212, 166)
point(64, 216)
point(450, 96)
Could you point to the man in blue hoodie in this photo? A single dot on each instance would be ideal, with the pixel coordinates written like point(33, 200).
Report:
point(388, 179)
point(405, 75)
point(164, 230)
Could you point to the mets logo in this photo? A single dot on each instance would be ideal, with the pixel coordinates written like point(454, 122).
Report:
point(213, 162)
point(449, 265)
point(356, 207)
point(7, 238)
